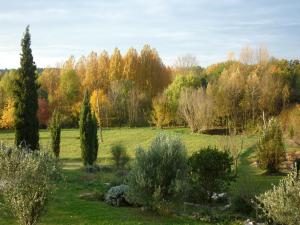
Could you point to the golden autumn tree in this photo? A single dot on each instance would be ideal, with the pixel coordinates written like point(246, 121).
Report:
point(116, 65)
point(91, 77)
point(100, 107)
point(49, 81)
point(153, 74)
point(131, 65)
point(69, 93)
point(7, 119)
point(162, 114)
point(103, 71)
point(80, 69)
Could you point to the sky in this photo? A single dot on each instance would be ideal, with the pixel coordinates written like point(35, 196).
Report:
point(207, 29)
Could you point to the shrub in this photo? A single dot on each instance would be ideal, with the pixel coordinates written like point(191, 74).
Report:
point(88, 134)
point(158, 174)
point(120, 156)
point(55, 129)
point(28, 181)
point(270, 148)
point(195, 107)
point(281, 204)
point(209, 173)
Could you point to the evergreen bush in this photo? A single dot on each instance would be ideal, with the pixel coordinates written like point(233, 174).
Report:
point(88, 134)
point(55, 130)
point(209, 173)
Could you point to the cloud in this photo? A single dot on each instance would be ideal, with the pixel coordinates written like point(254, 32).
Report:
point(208, 29)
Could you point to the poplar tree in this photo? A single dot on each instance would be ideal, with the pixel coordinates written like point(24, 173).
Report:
point(88, 133)
point(26, 98)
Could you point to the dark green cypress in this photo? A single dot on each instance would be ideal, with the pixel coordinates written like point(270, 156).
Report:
point(88, 133)
point(55, 129)
point(26, 98)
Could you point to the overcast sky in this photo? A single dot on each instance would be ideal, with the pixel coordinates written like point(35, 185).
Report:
point(208, 29)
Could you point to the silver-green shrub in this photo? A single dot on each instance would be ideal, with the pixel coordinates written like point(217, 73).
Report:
point(158, 174)
point(28, 178)
point(281, 204)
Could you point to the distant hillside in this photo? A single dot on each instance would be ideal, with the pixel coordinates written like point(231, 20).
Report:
point(2, 71)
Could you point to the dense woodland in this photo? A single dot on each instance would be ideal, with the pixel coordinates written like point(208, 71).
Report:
point(138, 89)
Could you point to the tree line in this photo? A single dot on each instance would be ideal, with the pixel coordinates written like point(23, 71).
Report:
point(236, 94)
point(123, 85)
point(137, 89)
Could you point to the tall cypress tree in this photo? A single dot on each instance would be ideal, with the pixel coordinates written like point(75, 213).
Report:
point(88, 133)
point(55, 130)
point(26, 98)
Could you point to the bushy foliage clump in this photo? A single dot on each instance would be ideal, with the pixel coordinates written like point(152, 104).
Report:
point(120, 156)
point(158, 173)
point(270, 148)
point(28, 180)
point(55, 129)
point(209, 173)
point(281, 204)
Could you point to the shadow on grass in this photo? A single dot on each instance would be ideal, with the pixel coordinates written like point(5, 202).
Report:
point(258, 176)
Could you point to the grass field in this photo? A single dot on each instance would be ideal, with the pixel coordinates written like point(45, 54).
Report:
point(67, 208)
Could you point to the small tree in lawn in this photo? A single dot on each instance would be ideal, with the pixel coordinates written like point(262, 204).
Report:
point(270, 148)
point(55, 129)
point(120, 156)
point(88, 133)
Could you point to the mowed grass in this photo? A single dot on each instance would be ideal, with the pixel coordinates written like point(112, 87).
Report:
point(67, 208)
point(131, 138)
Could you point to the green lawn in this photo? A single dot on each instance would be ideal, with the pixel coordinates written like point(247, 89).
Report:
point(67, 208)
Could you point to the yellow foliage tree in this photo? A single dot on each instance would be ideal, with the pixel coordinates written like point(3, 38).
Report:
point(100, 106)
point(116, 65)
point(7, 119)
point(91, 77)
point(131, 64)
point(162, 114)
point(103, 71)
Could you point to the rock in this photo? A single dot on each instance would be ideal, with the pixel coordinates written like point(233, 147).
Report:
point(116, 196)
point(226, 207)
point(220, 197)
point(87, 196)
point(249, 222)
